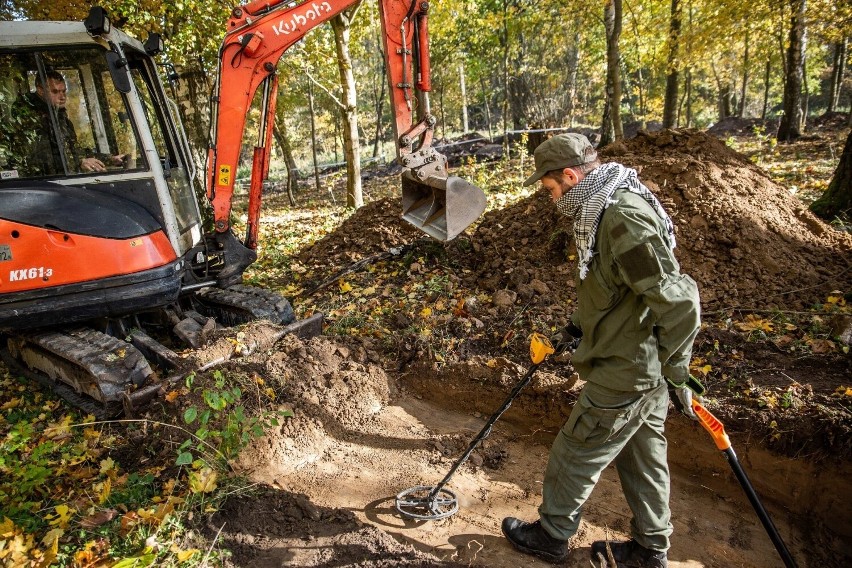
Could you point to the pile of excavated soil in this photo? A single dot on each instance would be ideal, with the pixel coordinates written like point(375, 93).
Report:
point(748, 243)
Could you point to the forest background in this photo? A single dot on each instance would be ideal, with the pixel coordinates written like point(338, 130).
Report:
point(500, 66)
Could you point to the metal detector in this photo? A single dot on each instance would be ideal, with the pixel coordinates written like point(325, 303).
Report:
point(433, 502)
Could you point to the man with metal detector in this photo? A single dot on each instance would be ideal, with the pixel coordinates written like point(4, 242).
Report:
point(639, 316)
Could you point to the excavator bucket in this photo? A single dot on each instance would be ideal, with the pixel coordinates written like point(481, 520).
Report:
point(441, 207)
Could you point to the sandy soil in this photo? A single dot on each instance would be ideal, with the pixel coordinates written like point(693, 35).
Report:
point(360, 435)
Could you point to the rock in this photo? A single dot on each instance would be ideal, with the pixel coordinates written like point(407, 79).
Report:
point(504, 298)
point(539, 287)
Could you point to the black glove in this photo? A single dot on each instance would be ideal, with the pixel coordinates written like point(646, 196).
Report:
point(567, 338)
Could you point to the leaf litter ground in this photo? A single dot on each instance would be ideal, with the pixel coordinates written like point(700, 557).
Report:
point(424, 341)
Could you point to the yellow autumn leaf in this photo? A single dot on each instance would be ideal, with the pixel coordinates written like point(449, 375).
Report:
point(59, 429)
point(51, 539)
point(426, 312)
point(344, 286)
point(14, 403)
point(203, 480)
point(105, 490)
point(107, 465)
point(63, 516)
point(7, 527)
point(184, 555)
point(369, 290)
point(754, 323)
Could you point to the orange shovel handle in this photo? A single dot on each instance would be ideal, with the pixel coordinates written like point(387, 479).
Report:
point(712, 425)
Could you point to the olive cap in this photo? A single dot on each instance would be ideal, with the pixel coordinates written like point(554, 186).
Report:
point(560, 152)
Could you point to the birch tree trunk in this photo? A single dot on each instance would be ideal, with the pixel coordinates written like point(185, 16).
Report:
point(611, 128)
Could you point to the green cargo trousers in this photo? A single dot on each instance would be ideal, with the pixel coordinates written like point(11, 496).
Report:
point(605, 426)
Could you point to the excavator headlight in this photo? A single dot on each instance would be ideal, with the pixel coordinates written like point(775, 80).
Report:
point(97, 22)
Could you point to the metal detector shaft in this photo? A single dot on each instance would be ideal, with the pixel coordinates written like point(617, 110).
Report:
point(717, 431)
point(486, 430)
point(758, 508)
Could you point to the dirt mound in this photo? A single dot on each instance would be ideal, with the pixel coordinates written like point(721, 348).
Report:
point(280, 528)
point(745, 239)
point(374, 228)
point(830, 121)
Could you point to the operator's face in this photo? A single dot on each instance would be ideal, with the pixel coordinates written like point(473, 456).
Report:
point(559, 186)
point(56, 93)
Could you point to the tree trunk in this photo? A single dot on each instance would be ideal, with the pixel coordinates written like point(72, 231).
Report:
point(671, 99)
point(380, 104)
point(837, 198)
point(688, 98)
point(505, 33)
point(487, 109)
point(283, 139)
point(744, 87)
point(341, 24)
point(573, 68)
point(766, 76)
point(314, 137)
point(611, 129)
point(792, 123)
point(838, 66)
point(463, 88)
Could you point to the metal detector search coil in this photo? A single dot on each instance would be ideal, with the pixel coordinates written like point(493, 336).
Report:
point(433, 502)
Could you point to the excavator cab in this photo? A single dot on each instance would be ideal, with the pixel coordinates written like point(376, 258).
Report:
point(97, 208)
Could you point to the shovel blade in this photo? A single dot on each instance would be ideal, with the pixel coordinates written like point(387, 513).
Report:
point(441, 207)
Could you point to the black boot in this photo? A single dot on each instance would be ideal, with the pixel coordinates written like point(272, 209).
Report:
point(531, 538)
point(630, 554)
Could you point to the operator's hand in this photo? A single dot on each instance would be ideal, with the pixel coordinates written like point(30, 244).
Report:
point(683, 402)
point(119, 160)
point(682, 394)
point(92, 165)
point(566, 339)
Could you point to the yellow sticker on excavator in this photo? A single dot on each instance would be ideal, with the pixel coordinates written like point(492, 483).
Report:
point(224, 175)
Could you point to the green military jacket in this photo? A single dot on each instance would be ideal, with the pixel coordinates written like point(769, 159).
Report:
point(638, 313)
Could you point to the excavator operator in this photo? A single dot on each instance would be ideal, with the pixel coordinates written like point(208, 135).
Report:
point(43, 154)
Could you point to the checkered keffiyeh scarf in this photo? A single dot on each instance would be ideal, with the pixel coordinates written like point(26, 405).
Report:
point(586, 203)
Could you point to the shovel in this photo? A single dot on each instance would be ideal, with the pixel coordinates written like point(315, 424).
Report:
point(723, 442)
point(441, 207)
point(433, 502)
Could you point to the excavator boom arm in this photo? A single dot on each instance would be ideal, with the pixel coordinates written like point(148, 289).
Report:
point(258, 35)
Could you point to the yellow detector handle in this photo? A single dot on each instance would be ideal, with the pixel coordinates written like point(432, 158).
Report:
point(540, 348)
point(712, 425)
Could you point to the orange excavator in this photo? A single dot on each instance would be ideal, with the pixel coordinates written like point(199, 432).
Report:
point(101, 233)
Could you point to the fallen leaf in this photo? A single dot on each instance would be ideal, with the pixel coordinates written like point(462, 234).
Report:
point(202, 481)
point(754, 323)
point(98, 518)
